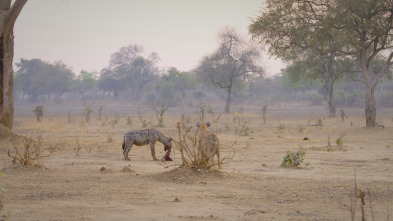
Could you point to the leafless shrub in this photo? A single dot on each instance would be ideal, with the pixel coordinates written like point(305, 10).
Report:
point(116, 118)
point(87, 110)
point(129, 121)
point(78, 147)
point(39, 112)
point(185, 119)
point(145, 123)
point(110, 138)
point(201, 109)
point(342, 115)
point(241, 127)
point(192, 150)
point(280, 128)
point(159, 110)
point(359, 194)
point(28, 151)
point(214, 118)
point(352, 198)
point(69, 117)
point(264, 110)
point(328, 140)
point(140, 115)
point(100, 108)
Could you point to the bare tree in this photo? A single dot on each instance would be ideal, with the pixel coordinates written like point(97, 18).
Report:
point(8, 16)
point(234, 61)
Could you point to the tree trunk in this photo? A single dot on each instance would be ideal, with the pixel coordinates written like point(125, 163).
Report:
point(228, 103)
point(8, 17)
point(332, 106)
point(371, 111)
point(6, 78)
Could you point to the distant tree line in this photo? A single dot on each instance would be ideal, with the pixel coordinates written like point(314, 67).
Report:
point(230, 74)
point(37, 79)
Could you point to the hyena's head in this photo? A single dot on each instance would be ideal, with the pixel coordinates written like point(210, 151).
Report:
point(168, 145)
point(203, 126)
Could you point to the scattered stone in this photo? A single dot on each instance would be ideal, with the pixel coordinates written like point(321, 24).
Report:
point(102, 169)
point(176, 200)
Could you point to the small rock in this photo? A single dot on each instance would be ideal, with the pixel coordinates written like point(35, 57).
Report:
point(102, 169)
point(176, 200)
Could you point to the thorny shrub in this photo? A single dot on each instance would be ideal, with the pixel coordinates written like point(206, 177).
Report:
point(191, 149)
point(27, 151)
point(87, 110)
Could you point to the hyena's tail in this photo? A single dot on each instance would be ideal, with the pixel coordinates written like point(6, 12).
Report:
point(123, 146)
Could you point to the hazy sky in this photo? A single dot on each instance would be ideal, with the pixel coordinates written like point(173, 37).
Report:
point(84, 33)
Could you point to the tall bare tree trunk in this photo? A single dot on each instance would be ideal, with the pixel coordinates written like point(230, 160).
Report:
point(228, 103)
point(332, 106)
point(371, 81)
point(330, 78)
point(8, 17)
point(371, 111)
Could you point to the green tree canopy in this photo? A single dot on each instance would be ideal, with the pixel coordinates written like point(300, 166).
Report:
point(84, 82)
point(36, 77)
point(133, 69)
point(360, 29)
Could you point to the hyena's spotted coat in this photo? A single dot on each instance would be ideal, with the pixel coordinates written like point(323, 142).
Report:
point(209, 143)
point(143, 137)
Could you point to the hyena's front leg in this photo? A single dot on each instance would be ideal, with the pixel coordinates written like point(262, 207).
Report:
point(153, 151)
point(126, 150)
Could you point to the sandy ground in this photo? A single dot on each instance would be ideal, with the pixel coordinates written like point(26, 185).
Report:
point(87, 178)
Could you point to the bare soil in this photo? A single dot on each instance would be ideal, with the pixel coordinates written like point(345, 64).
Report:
point(87, 178)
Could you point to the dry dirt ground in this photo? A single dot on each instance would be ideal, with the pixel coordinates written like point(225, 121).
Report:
point(87, 178)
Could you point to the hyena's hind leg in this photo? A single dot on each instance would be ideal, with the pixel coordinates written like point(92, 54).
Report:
point(126, 149)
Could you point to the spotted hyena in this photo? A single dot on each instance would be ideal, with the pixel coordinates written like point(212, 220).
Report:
point(209, 143)
point(143, 137)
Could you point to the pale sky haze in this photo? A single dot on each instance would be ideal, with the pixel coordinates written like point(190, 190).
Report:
point(84, 33)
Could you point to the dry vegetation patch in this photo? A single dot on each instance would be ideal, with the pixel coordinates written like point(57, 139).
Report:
point(198, 149)
point(27, 150)
point(250, 186)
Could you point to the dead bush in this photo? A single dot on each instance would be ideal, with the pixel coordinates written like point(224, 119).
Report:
point(195, 152)
point(39, 112)
point(27, 150)
point(159, 109)
point(87, 110)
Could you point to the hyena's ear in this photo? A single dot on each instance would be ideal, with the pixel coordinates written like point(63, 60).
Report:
point(198, 124)
point(207, 124)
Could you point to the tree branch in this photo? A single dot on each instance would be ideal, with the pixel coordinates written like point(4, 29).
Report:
point(14, 12)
